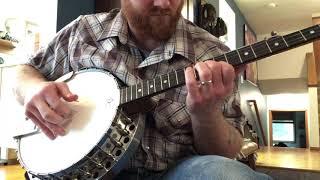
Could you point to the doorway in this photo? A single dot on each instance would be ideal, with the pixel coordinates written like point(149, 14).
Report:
point(288, 129)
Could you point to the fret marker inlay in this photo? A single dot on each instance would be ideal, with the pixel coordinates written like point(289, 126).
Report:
point(312, 32)
point(276, 44)
point(139, 90)
point(246, 53)
point(165, 81)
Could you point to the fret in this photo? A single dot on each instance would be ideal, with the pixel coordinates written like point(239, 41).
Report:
point(161, 82)
point(173, 79)
point(294, 39)
point(148, 87)
point(246, 53)
point(233, 58)
point(154, 85)
point(303, 36)
point(268, 46)
point(177, 77)
point(122, 95)
point(239, 56)
point(131, 92)
point(253, 51)
point(226, 58)
point(260, 49)
point(165, 81)
point(139, 91)
point(142, 93)
point(128, 93)
point(169, 80)
point(276, 44)
point(134, 92)
point(285, 41)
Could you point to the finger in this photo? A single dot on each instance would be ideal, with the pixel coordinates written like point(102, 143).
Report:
point(65, 92)
point(56, 104)
point(56, 129)
point(241, 68)
point(228, 73)
point(215, 68)
point(46, 112)
point(43, 128)
point(228, 76)
point(204, 71)
point(191, 82)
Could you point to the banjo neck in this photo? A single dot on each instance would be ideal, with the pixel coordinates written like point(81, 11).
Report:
point(243, 55)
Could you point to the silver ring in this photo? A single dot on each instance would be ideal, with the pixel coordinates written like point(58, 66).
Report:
point(202, 83)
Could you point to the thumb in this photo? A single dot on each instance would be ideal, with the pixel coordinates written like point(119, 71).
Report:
point(65, 92)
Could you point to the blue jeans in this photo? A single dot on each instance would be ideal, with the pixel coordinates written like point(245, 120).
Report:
point(199, 168)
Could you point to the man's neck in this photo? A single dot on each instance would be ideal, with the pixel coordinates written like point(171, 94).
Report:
point(145, 42)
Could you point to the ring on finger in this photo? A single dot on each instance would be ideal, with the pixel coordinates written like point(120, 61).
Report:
point(203, 83)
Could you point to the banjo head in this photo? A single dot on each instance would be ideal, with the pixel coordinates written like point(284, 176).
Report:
point(93, 115)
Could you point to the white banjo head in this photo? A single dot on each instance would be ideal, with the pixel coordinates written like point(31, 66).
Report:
point(99, 98)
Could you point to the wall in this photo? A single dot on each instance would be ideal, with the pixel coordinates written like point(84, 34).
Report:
point(293, 60)
point(69, 10)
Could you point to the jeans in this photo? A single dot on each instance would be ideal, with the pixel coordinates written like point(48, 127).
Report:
point(208, 167)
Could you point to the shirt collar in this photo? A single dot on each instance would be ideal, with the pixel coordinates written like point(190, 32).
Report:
point(118, 28)
point(181, 42)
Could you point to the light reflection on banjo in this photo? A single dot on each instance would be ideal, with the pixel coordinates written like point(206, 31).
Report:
point(101, 138)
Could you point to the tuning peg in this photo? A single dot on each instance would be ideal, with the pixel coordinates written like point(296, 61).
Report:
point(274, 33)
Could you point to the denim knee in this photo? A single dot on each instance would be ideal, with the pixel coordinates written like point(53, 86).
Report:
point(212, 167)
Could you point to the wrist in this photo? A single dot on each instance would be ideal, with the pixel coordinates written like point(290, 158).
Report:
point(208, 119)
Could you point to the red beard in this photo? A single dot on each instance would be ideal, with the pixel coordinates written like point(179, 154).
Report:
point(157, 23)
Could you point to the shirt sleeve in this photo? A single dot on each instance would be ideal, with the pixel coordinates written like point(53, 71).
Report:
point(53, 60)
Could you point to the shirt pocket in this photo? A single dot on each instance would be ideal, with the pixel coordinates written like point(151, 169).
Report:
point(178, 95)
point(88, 56)
point(170, 116)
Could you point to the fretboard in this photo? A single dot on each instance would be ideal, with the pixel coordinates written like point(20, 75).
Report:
point(243, 55)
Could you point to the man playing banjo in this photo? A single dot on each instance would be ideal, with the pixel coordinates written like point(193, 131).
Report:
point(193, 132)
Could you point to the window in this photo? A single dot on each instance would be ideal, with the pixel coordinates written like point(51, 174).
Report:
point(283, 131)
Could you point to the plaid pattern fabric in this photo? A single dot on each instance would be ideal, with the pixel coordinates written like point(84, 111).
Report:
point(102, 41)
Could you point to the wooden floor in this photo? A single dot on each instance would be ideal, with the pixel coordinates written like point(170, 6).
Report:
point(11, 172)
point(289, 158)
point(284, 158)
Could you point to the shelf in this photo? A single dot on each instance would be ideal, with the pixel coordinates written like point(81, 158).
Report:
point(7, 44)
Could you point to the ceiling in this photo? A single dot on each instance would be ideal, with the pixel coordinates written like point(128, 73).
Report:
point(289, 15)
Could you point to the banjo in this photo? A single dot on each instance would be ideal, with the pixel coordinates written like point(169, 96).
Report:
point(101, 137)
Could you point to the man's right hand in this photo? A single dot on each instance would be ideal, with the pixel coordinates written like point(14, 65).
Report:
point(45, 106)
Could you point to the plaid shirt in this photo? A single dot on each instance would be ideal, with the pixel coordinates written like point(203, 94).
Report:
point(103, 41)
